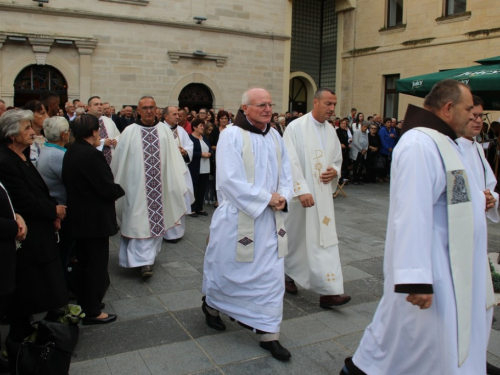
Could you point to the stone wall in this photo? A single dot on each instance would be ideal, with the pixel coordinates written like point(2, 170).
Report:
point(245, 47)
point(426, 44)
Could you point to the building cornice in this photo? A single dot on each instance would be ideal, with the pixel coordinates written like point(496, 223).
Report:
point(422, 43)
point(139, 20)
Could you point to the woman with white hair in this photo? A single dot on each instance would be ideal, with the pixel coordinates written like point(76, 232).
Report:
point(56, 130)
point(39, 279)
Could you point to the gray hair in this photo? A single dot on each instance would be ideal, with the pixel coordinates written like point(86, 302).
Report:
point(245, 98)
point(11, 121)
point(80, 111)
point(443, 92)
point(53, 127)
point(281, 118)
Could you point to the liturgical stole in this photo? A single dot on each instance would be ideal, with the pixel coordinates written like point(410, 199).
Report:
point(246, 224)
point(460, 237)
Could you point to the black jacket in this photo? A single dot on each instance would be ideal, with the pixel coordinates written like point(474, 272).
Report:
point(91, 192)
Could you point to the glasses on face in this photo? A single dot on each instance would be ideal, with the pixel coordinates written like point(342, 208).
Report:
point(263, 105)
point(482, 116)
point(148, 109)
point(203, 113)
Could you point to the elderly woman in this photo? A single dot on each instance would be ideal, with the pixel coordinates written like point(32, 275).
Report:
point(49, 165)
point(92, 193)
point(199, 166)
point(343, 135)
point(39, 279)
point(358, 153)
point(39, 116)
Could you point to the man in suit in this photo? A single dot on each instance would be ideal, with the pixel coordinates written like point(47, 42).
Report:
point(91, 194)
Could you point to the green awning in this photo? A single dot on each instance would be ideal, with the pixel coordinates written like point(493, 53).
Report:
point(483, 80)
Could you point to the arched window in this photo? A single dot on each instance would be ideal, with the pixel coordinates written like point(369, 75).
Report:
point(35, 79)
point(196, 96)
point(298, 95)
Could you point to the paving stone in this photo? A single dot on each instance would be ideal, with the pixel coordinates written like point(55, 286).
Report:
point(350, 342)
point(180, 269)
point(373, 266)
point(366, 309)
point(494, 344)
point(121, 337)
point(127, 364)
point(351, 273)
point(186, 299)
point(343, 321)
point(94, 367)
point(138, 307)
point(372, 285)
point(231, 347)
point(307, 330)
point(180, 358)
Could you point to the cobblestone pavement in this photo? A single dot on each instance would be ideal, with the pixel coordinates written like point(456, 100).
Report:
point(161, 328)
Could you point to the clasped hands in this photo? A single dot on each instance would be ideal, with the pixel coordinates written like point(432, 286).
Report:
point(110, 142)
point(277, 202)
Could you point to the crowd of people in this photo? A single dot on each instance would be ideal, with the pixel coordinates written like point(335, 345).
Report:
point(69, 180)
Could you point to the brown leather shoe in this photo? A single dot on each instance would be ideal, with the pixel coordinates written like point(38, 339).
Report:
point(328, 301)
point(290, 287)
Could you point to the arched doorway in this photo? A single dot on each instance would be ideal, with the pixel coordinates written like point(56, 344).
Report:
point(34, 80)
point(196, 96)
point(298, 95)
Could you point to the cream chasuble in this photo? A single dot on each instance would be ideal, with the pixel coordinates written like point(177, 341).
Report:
point(313, 255)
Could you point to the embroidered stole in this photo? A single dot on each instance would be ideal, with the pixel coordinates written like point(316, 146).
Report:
point(322, 192)
point(152, 170)
point(103, 133)
point(460, 237)
point(246, 224)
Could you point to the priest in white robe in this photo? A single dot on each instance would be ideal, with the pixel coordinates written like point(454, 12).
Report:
point(185, 144)
point(108, 131)
point(148, 165)
point(435, 314)
point(316, 157)
point(243, 270)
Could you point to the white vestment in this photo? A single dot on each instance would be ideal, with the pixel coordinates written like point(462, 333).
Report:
point(481, 171)
point(402, 338)
point(149, 167)
point(250, 292)
point(182, 139)
point(113, 133)
point(313, 254)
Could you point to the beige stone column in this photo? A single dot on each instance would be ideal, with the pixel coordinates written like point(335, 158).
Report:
point(288, 53)
point(85, 49)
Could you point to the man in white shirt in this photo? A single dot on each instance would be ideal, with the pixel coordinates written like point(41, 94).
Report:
point(107, 129)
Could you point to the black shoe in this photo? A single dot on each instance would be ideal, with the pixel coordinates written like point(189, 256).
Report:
point(492, 370)
point(202, 213)
point(277, 351)
point(94, 321)
point(172, 241)
point(214, 322)
point(193, 214)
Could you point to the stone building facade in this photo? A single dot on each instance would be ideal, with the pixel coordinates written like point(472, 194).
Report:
point(123, 49)
point(417, 37)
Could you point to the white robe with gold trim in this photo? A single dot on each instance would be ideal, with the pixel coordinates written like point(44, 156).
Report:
point(313, 255)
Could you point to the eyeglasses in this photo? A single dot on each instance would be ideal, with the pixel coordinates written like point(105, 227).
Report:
point(480, 115)
point(263, 105)
point(148, 109)
point(202, 113)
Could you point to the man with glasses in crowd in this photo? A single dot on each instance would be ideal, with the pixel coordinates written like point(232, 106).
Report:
point(148, 165)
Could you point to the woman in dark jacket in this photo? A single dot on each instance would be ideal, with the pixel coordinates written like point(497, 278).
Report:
point(343, 134)
point(373, 159)
point(39, 279)
point(199, 166)
point(91, 195)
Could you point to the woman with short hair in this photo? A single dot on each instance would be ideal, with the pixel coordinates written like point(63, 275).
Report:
point(39, 116)
point(199, 166)
point(91, 193)
point(40, 284)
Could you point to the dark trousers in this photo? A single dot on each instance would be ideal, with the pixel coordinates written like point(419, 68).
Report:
point(359, 168)
point(387, 169)
point(199, 192)
point(91, 273)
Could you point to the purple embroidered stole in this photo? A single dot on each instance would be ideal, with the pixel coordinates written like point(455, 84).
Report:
point(152, 170)
point(106, 150)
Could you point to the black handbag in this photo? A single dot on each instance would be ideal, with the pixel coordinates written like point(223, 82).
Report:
point(34, 359)
point(49, 353)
